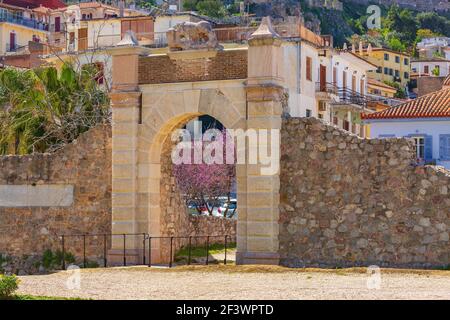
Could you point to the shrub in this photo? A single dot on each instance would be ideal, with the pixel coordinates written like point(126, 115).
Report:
point(8, 285)
point(53, 260)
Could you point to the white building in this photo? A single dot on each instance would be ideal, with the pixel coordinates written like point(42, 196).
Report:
point(429, 47)
point(425, 119)
point(431, 67)
point(329, 84)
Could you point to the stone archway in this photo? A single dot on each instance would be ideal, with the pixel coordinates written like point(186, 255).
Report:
point(145, 113)
point(180, 107)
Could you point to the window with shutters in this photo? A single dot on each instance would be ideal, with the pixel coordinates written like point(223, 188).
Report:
point(419, 146)
point(444, 146)
point(308, 68)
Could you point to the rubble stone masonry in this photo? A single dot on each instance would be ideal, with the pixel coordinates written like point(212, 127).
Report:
point(30, 225)
point(346, 201)
point(85, 164)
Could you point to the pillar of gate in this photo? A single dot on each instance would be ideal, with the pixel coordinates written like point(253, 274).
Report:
point(258, 228)
point(125, 102)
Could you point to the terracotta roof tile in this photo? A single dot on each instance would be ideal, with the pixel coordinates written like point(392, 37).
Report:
point(52, 4)
point(432, 105)
point(446, 82)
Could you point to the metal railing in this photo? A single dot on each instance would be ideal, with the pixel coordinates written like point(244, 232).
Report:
point(348, 96)
point(147, 248)
point(345, 95)
point(30, 23)
point(326, 87)
point(14, 47)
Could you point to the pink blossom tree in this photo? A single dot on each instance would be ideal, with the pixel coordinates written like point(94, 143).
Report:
point(204, 184)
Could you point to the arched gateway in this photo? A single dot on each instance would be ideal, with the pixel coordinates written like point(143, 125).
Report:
point(153, 94)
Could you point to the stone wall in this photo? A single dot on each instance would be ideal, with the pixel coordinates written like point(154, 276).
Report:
point(226, 65)
point(346, 201)
point(84, 167)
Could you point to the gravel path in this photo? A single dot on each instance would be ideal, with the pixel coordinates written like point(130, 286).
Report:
point(239, 282)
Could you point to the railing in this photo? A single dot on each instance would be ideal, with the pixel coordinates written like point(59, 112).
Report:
point(147, 241)
point(14, 48)
point(30, 23)
point(326, 87)
point(348, 96)
point(392, 102)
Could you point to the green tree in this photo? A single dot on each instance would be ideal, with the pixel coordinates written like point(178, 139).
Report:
point(41, 109)
point(434, 22)
point(190, 5)
point(403, 22)
point(211, 8)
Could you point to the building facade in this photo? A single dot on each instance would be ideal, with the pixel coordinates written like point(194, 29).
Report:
point(431, 67)
point(426, 120)
point(392, 66)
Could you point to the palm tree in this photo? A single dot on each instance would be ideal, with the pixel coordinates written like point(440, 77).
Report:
point(42, 110)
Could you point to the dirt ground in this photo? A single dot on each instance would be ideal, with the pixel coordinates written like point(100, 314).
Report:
point(239, 282)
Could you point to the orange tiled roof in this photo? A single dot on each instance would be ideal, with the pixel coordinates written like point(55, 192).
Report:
point(446, 81)
point(432, 105)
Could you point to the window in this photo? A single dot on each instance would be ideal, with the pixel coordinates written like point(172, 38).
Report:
point(320, 116)
point(419, 146)
point(322, 106)
point(386, 56)
point(334, 76)
point(397, 73)
point(391, 72)
point(346, 125)
point(386, 70)
point(72, 38)
point(444, 146)
point(406, 61)
point(438, 69)
point(308, 68)
point(308, 113)
point(406, 75)
point(57, 24)
point(379, 70)
point(397, 59)
point(426, 69)
point(335, 121)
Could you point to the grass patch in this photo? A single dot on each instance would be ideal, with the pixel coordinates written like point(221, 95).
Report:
point(200, 251)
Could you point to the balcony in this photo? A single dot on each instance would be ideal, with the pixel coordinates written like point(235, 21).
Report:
point(326, 87)
point(30, 23)
point(326, 91)
point(14, 48)
point(350, 99)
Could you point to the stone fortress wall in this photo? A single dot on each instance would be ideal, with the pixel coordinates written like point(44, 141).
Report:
point(346, 201)
point(43, 196)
